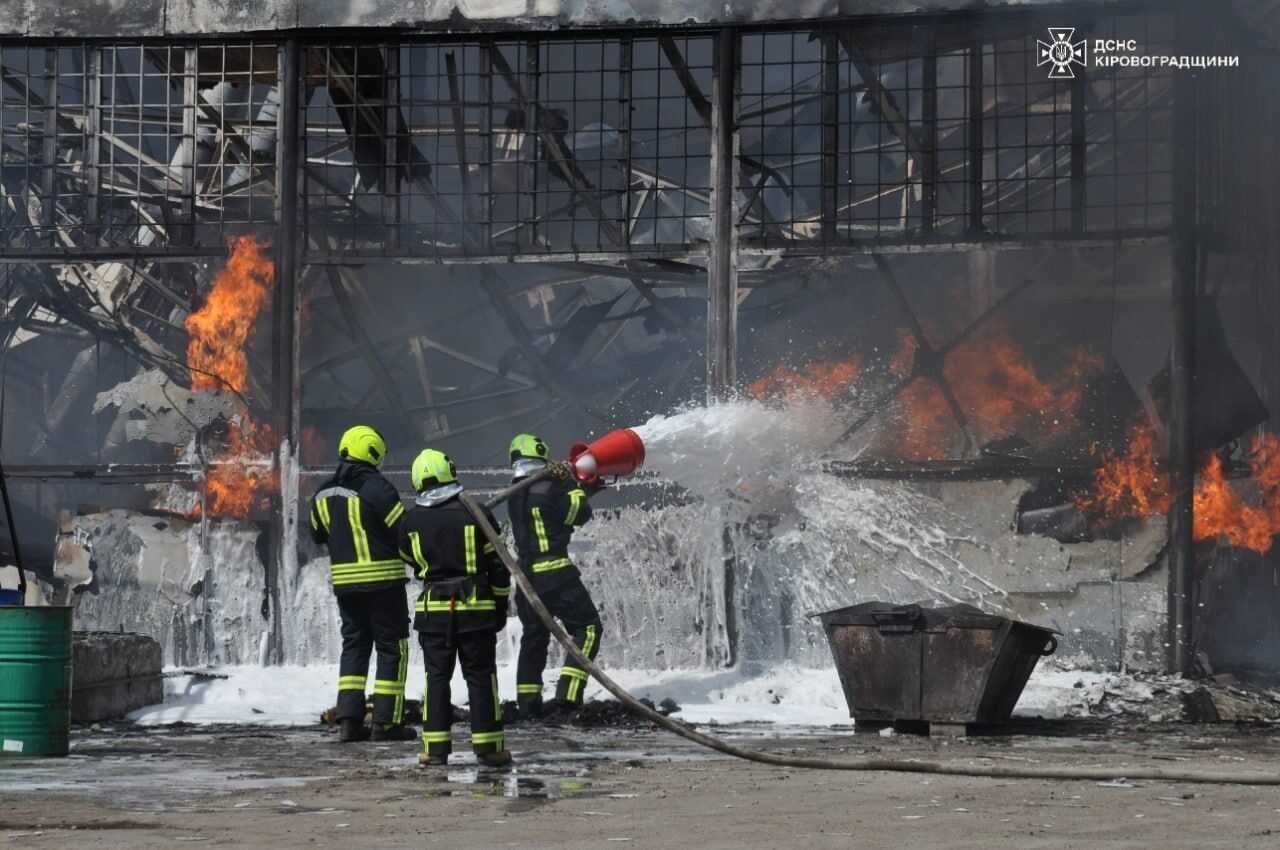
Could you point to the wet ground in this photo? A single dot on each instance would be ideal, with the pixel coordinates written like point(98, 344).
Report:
point(126, 786)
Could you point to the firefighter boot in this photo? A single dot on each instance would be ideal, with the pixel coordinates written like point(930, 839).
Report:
point(392, 732)
point(530, 706)
point(498, 758)
point(428, 760)
point(351, 730)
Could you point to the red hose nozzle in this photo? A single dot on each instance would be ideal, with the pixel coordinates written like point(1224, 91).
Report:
point(619, 452)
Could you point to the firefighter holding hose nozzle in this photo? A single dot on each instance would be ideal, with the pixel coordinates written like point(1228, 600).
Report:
point(356, 513)
point(543, 518)
point(462, 607)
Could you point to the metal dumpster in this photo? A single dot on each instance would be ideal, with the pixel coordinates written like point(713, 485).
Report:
point(952, 665)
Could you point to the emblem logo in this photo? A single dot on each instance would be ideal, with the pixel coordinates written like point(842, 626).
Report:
point(1061, 53)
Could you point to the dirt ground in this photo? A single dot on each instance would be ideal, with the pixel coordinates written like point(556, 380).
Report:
point(126, 786)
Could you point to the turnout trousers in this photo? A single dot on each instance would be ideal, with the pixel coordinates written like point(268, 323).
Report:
point(378, 619)
point(476, 651)
point(570, 603)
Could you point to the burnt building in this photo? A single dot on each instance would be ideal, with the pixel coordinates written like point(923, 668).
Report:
point(1025, 250)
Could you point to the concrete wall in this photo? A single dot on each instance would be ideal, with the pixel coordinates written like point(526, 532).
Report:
point(98, 18)
point(112, 674)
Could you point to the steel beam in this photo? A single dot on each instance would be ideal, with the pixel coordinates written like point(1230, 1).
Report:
point(722, 280)
point(1079, 147)
point(1182, 364)
point(929, 134)
point(830, 134)
point(284, 375)
point(973, 205)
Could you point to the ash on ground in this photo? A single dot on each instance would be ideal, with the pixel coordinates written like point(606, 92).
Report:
point(1169, 699)
point(593, 714)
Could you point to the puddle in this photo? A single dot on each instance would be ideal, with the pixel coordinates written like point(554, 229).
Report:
point(475, 783)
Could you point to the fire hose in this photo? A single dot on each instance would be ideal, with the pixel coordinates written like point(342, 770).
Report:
point(580, 660)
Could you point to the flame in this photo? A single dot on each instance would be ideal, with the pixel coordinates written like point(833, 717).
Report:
point(1265, 457)
point(219, 334)
point(1132, 485)
point(826, 381)
point(901, 362)
point(998, 388)
point(242, 476)
point(927, 426)
point(1221, 513)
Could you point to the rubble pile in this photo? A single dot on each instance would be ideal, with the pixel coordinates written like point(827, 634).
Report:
point(1168, 699)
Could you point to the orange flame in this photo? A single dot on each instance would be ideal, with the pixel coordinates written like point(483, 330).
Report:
point(242, 475)
point(997, 387)
point(219, 333)
point(1134, 486)
point(1220, 512)
point(826, 381)
point(1131, 485)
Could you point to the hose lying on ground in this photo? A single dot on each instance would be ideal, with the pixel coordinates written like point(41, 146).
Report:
point(868, 764)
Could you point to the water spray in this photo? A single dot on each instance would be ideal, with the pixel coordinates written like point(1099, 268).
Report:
point(622, 452)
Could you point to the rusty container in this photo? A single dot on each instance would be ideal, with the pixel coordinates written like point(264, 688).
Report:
point(939, 665)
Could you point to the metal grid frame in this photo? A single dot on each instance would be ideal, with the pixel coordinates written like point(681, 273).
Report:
point(490, 146)
point(136, 144)
point(942, 129)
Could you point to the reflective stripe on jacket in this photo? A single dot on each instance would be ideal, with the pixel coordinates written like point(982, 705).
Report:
point(356, 514)
point(463, 579)
point(543, 518)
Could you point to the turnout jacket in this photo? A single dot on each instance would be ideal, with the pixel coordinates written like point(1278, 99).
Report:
point(356, 512)
point(465, 587)
point(543, 518)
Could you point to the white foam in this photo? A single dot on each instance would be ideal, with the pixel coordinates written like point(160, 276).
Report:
point(801, 540)
point(782, 695)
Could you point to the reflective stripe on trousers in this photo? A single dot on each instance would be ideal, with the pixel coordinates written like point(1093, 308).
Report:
point(551, 564)
point(388, 687)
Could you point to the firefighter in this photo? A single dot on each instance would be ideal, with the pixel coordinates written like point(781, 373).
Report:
point(462, 607)
point(543, 518)
point(356, 512)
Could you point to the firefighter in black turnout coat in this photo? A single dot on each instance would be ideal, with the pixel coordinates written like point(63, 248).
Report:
point(462, 607)
point(543, 518)
point(356, 512)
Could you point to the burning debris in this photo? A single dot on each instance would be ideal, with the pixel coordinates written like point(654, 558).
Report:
point(241, 472)
point(828, 381)
point(1131, 485)
point(986, 388)
point(1221, 513)
point(1136, 485)
point(999, 390)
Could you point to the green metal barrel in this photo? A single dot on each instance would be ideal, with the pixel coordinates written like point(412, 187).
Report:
point(35, 681)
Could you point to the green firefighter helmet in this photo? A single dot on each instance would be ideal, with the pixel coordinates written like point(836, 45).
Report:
point(362, 443)
point(431, 468)
point(529, 445)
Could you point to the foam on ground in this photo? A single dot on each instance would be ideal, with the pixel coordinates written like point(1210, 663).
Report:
point(784, 695)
